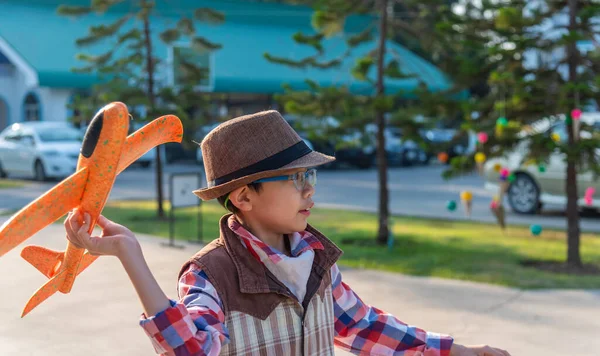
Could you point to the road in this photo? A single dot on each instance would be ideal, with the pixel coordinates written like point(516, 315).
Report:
point(414, 191)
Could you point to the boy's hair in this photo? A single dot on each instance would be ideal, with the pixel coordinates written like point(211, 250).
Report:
point(232, 208)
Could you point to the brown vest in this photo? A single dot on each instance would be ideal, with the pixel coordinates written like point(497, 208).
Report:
point(261, 314)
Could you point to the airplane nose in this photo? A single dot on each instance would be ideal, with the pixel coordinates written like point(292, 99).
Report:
point(92, 135)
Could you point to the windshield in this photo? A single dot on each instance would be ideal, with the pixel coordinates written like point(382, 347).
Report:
point(59, 134)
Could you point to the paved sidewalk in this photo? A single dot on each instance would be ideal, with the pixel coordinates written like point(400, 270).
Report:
point(99, 316)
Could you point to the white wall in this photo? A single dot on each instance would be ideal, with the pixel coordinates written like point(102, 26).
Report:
point(13, 90)
point(54, 103)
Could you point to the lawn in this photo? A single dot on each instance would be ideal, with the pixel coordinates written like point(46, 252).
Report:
point(422, 247)
point(11, 183)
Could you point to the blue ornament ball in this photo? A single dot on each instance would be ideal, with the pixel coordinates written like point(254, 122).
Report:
point(536, 230)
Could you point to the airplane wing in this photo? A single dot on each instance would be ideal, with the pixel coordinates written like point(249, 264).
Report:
point(165, 129)
point(43, 211)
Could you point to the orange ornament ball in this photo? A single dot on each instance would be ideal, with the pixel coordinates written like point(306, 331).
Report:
point(443, 157)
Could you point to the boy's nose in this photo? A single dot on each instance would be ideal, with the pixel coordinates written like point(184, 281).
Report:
point(308, 191)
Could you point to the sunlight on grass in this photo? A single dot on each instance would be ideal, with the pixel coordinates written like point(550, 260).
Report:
point(457, 250)
point(11, 183)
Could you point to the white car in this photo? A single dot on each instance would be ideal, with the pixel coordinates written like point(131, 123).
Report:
point(39, 150)
point(532, 187)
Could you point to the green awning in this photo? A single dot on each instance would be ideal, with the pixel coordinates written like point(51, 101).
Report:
point(47, 42)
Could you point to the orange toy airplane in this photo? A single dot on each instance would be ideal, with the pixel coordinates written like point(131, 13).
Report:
point(105, 152)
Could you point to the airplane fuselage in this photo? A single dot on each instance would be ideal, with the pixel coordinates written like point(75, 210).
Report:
point(100, 154)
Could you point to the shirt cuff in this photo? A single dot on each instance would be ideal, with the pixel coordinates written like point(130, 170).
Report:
point(170, 328)
point(438, 344)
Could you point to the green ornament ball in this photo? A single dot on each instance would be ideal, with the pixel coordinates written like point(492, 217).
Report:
point(541, 168)
point(502, 122)
point(536, 230)
point(568, 120)
point(451, 205)
point(511, 177)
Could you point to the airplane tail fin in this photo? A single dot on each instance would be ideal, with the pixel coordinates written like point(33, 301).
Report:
point(49, 261)
point(37, 255)
point(44, 259)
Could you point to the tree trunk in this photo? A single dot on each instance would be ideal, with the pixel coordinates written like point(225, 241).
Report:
point(152, 100)
point(573, 231)
point(383, 233)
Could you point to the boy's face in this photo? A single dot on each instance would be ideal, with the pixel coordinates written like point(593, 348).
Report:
point(280, 207)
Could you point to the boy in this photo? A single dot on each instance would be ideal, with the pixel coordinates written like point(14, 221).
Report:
point(269, 285)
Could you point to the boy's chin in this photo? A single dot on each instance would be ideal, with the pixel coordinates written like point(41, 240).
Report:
point(300, 226)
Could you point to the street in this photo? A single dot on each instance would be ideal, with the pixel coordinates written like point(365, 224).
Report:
point(414, 191)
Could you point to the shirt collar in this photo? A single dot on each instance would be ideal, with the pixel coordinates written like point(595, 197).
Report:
point(300, 242)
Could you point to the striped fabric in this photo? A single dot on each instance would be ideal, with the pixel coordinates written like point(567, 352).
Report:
point(282, 332)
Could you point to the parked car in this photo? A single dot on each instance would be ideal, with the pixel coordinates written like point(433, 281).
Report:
point(453, 146)
point(532, 188)
point(39, 150)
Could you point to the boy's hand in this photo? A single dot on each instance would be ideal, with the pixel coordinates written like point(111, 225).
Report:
point(115, 240)
point(480, 350)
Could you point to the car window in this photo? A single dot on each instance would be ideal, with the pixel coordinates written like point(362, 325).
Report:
point(13, 136)
point(27, 139)
point(561, 130)
point(66, 134)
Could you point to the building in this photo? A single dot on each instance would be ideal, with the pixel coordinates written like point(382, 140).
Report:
point(38, 51)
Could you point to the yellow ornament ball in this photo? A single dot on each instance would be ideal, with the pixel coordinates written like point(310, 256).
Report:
point(466, 195)
point(480, 157)
point(497, 167)
point(555, 137)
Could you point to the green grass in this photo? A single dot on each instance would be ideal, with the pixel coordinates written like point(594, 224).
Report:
point(423, 247)
point(11, 183)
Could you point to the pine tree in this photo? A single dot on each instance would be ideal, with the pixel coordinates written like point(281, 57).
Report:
point(355, 111)
point(532, 69)
point(130, 71)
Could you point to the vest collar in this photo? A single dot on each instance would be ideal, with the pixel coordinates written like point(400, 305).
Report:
point(254, 277)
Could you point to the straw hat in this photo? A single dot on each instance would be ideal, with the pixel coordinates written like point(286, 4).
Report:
point(251, 147)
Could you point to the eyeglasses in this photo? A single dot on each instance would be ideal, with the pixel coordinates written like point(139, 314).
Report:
point(300, 179)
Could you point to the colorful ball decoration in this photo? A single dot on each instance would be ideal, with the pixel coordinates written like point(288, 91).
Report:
point(451, 205)
point(555, 137)
point(442, 157)
point(576, 114)
point(494, 204)
point(504, 173)
point(497, 167)
point(541, 168)
point(502, 122)
point(480, 157)
point(568, 120)
point(511, 177)
point(535, 229)
point(589, 196)
point(466, 195)
point(482, 137)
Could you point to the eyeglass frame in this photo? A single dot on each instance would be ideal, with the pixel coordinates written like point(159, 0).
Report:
point(292, 177)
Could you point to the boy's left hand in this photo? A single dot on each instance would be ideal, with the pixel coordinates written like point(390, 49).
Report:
point(479, 350)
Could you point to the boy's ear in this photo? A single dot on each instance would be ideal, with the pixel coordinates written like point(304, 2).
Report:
point(240, 199)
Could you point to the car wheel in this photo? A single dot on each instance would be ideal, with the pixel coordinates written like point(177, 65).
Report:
point(524, 195)
point(39, 171)
point(2, 173)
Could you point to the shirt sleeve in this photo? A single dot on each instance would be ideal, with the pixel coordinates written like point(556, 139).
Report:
point(195, 325)
point(366, 330)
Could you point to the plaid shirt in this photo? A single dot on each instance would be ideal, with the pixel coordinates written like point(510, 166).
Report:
point(195, 324)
